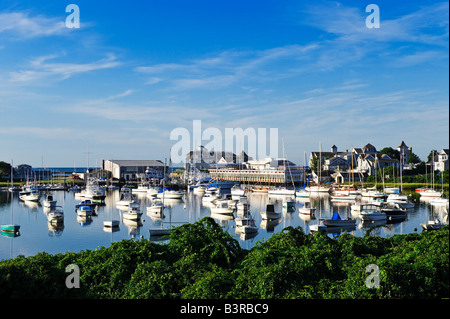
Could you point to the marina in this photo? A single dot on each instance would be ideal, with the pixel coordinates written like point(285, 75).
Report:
point(76, 229)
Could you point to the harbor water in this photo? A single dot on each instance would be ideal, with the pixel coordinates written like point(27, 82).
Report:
point(73, 234)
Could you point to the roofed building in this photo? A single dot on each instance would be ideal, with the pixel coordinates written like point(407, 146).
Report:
point(130, 170)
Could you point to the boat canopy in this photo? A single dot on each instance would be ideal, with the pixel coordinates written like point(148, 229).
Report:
point(336, 216)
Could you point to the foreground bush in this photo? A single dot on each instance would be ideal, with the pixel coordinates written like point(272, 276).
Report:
point(203, 261)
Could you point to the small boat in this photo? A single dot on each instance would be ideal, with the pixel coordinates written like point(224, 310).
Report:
point(432, 225)
point(86, 202)
point(307, 209)
point(222, 207)
point(12, 228)
point(159, 232)
point(431, 193)
point(156, 209)
point(170, 193)
point(126, 197)
point(371, 212)
point(133, 213)
point(270, 213)
point(49, 202)
point(246, 225)
point(394, 213)
point(29, 194)
point(336, 221)
point(288, 205)
point(85, 211)
point(142, 188)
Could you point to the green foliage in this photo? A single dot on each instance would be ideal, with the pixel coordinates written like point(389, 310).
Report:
point(203, 261)
point(5, 169)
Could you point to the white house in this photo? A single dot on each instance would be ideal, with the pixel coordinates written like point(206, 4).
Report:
point(442, 161)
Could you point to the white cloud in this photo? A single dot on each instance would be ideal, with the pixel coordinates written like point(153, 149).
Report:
point(21, 25)
point(39, 68)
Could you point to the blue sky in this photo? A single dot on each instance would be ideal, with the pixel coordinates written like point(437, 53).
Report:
point(136, 70)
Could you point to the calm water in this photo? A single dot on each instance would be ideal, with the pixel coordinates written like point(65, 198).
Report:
point(37, 234)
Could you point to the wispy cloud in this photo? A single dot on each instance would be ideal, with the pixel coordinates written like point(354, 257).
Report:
point(40, 68)
point(428, 24)
point(22, 25)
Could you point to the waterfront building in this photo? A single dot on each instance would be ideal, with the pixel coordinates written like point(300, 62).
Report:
point(268, 171)
point(204, 159)
point(131, 170)
point(441, 161)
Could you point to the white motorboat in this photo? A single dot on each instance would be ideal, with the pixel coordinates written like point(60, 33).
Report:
point(170, 193)
point(371, 212)
point(49, 202)
point(307, 209)
point(222, 207)
point(156, 209)
point(141, 189)
point(270, 213)
point(126, 197)
point(133, 212)
point(29, 194)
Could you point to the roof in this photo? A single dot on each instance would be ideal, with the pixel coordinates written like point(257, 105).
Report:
point(402, 145)
point(445, 150)
point(138, 162)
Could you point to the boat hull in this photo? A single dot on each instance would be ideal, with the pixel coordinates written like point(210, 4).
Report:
point(13, 228)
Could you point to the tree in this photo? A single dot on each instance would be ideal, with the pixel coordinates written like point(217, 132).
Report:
point(5, 169)
point(394, 154)
point(413, 159)
point(431, 154)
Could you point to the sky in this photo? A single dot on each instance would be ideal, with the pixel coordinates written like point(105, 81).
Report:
point(117, 86)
